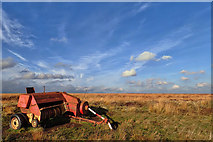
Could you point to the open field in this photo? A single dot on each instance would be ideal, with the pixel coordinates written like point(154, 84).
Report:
point(140, 117)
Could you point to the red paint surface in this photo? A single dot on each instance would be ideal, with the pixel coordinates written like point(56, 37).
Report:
point(24, 101)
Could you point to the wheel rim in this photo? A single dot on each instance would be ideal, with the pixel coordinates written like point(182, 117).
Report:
point(15, 123)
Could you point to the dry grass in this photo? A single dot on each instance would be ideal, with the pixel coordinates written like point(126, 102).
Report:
point(158, 103)
point(143, 97)
point(172, 107)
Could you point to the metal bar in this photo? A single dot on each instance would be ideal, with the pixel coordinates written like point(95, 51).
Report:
point(88, 120)
point(44, 89)
point(110, 126)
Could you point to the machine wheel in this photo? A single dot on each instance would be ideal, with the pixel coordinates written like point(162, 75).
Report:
point(84, 108)
point(114, 125)
point(16, 121)
point(34, 123)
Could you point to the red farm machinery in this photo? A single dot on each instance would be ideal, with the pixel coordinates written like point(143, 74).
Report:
point(38, 107)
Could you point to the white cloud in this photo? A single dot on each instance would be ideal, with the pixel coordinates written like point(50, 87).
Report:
point(158, 59)
point(18, 55)
point(136, 83)
point(63, 65)
point(60, 64)
point(81, 75)
point(60, 71)
point(175, 86)
point(202, 71)
point(152, 85)
point(131, 58)
point(62, 39)
point(162, 83)
point(203, 84)
point(144, 6)
point(32, 75)
point(145, 56)
point(127, 73)
point(172, 39)
point(13, 33)
point(92, 61)
point(121, 89)
point(110, 89)
point(166, 57)
point(190, 73)
point(169, 41)
point(7, 63)
point(97, 89)
point(141, 8)
point(183, 71)
point(29, 75)
point(184, 78)
point(169, 64)
point(124, 44)
point(42, 64)
point(89, 79)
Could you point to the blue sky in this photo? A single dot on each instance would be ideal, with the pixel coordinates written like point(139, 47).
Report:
point(107, 47)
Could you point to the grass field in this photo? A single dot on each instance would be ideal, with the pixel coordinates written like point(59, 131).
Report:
point(140, 117)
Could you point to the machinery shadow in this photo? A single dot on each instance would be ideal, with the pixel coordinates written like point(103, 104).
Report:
point(65, 121)
point(56, 122)
point(103, 111)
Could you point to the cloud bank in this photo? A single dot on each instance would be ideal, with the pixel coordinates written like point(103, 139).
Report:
point(7, 63)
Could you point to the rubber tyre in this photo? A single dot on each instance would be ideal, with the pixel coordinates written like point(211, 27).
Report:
point(34, 123)
point(84, 108)
point(25, 119)
point(114, 125)
point(16, 121)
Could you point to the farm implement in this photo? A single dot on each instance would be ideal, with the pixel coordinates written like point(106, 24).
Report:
point(38, 107)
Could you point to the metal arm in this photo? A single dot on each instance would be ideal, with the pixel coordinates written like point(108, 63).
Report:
point(110, 126)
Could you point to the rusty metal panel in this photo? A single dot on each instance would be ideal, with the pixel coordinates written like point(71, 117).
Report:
point(48, 97)
point(72, 103)
point(70, 98)
point(72, 108)
point(24, 101)
point(34, 107)
point(24, 110)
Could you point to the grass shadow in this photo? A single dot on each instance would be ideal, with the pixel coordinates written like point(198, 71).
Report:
point(103, 111)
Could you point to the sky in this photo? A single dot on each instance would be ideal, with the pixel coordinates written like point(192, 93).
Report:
point(132, 47)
